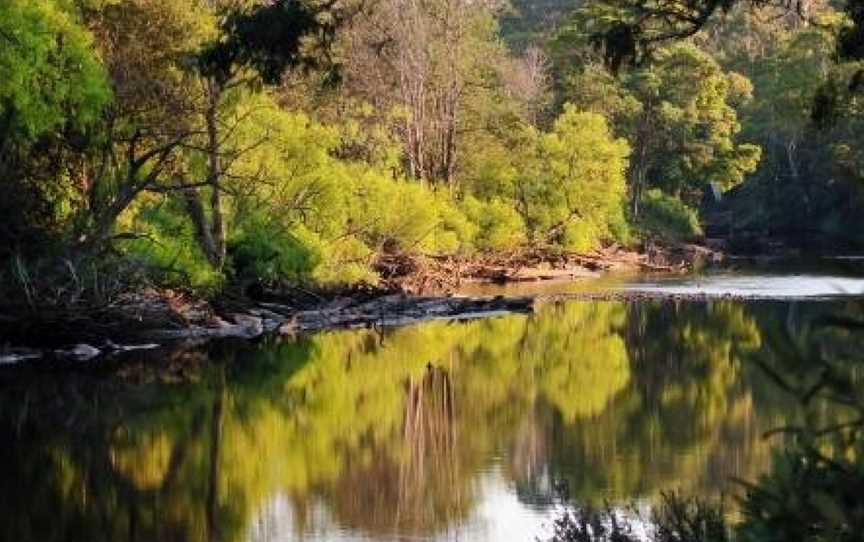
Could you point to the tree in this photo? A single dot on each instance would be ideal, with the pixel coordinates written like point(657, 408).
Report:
point(678, 114)
point(175, 110)
point(52, 91)
point(575, 191)
point(630, 30)
point(438, 67)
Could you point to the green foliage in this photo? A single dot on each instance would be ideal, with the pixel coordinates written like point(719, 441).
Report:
point(403, 215)
point(805, 496)
point(439, 141)
point(667, 218)
point(679, 114)
point(581, 188)
point(567, 185)
point(167, 249)
point(268, 38)
point(322, 216)
point(51, 78)
point(807, 186)
point(812, 489)
point(499, 225)
point(261, 251)
point(675, 519)
point(53, 90)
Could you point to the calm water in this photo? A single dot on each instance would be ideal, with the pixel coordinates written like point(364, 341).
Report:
point(442, 431)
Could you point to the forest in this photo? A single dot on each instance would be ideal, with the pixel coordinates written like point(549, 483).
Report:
point(212, 154)
point(203, 144)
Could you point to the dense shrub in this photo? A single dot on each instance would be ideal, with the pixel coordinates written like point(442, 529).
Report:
point(499, 225)
point(668, 218)
point(260, 251)
point(165, 246)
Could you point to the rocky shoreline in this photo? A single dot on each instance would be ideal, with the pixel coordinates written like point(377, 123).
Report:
point(151, 319)
point(273, 319)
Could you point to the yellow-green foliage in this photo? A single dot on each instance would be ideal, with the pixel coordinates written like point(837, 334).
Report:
point(406, 214)
point(585, 170)
point(50, 76)
point(499, 225)
point(299, 210)
point(322, 218)
point(567, 186)
point(668, 218)
point(166, 247)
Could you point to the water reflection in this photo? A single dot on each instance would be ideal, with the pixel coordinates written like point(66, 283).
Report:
point(442, 430)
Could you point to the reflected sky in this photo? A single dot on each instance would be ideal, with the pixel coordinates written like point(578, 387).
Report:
point(500, 515)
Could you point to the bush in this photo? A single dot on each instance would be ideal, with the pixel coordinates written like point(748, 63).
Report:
point(261, 251)
point(166, 248)
point(667, 218)
point(404, 215)
point(675, 519)
point(498, 225)
point(40, 283)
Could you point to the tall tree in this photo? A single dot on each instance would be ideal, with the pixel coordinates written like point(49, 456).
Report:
point(679, 113)
point(428, 61)
point(174, 117)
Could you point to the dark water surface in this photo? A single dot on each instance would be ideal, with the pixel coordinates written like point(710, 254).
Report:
point(441, 431)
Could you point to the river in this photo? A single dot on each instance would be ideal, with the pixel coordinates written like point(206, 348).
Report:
point(477, 430)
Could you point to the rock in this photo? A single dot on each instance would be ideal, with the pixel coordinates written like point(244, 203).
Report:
point(250, 326)
point(282, 310)
point(14, 357)
point(340, 303)
point(114, 347)
point(271, 324)
point(267, 314)
point(79, 352)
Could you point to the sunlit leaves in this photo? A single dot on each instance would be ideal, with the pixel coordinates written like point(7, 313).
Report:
point(51, 78)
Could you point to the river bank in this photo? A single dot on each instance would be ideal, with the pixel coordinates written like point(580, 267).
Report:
point(413, 288)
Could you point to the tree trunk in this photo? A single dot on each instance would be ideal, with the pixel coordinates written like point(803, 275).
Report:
point(196, 212)
point(210, 227)
point(217, 257)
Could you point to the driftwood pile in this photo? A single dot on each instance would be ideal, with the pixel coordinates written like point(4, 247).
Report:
point(424, 274)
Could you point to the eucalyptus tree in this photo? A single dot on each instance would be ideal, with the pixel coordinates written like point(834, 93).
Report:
point(438, 67)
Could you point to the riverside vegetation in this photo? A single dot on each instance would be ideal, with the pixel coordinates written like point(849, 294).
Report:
point(225, 149)
point(238, 145)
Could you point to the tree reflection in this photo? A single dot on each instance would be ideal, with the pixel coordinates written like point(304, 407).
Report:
point(688, 407)
point(389, 430)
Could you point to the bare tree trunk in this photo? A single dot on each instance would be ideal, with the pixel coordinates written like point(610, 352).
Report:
point(210, 230)
point(196, 212)
point(640, 163)
point(637, 179)
point(215, 176)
